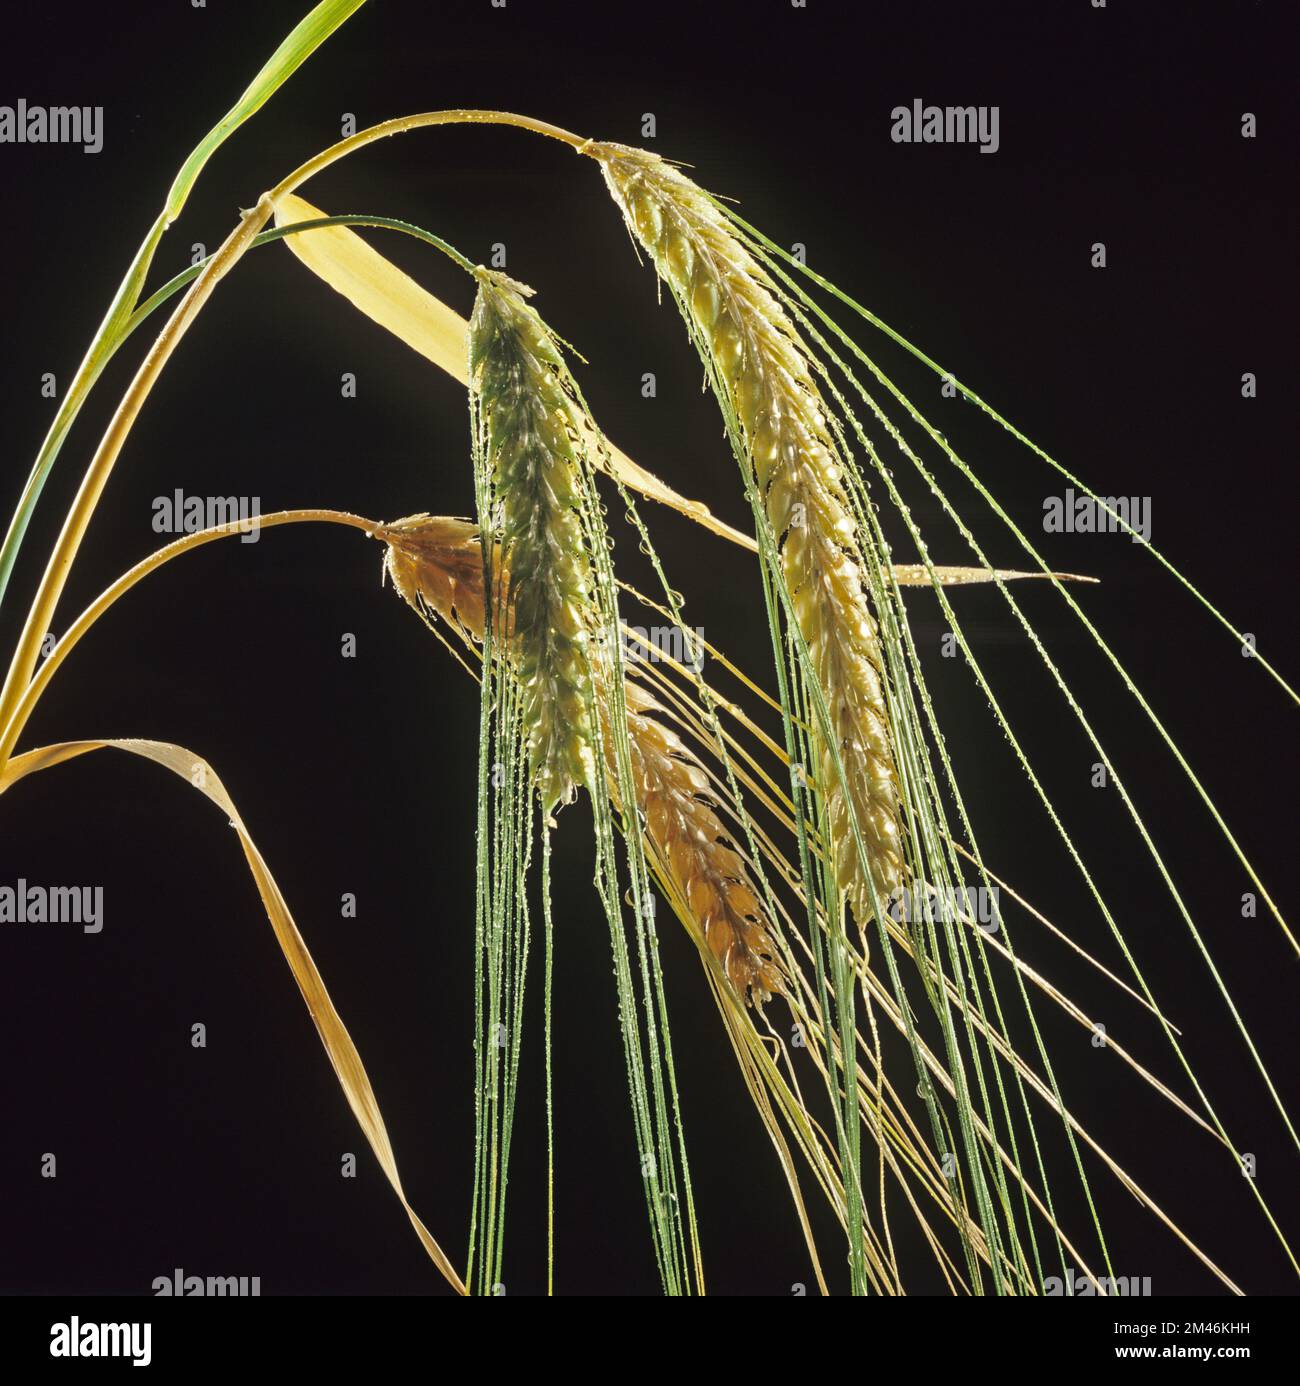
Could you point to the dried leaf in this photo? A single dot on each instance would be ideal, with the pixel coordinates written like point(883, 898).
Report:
point(329, 1025)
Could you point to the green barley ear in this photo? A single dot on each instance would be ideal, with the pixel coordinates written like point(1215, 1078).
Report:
point(528, 432)
point(761, 367)
point(550, 635)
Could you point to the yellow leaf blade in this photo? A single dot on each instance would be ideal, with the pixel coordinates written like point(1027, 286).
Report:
point(412, 314)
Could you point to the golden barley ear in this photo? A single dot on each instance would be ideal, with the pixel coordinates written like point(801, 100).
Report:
point(761, 368)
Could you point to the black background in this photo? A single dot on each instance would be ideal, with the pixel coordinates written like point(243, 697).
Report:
point(1119, 125)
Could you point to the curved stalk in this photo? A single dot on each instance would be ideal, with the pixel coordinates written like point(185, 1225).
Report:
point(205, 278)
point(424, 120)
point(32, 693)
point(101, 466)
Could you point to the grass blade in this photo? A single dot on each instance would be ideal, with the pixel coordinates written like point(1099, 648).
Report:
point(314, 29)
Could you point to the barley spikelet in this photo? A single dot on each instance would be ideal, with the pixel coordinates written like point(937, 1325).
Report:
point(527, 429)
point(437, 566)
point(746, 334)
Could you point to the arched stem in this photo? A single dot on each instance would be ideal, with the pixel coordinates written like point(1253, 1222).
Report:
point(401, 124)
point(31, 694)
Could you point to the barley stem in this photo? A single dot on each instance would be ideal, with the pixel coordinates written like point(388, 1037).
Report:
point(425, 120)
point(302, 41)
point(107, 340)
point(69, 639)
point(78, 520)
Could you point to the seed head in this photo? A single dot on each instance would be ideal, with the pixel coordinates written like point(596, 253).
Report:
point(762, 368)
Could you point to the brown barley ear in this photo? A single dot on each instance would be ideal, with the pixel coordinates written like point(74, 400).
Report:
point(436, 565)
point(693, 848)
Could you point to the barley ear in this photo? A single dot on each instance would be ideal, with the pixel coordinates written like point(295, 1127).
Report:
point(691, 845)
point(527, 429)
point(761, 368)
